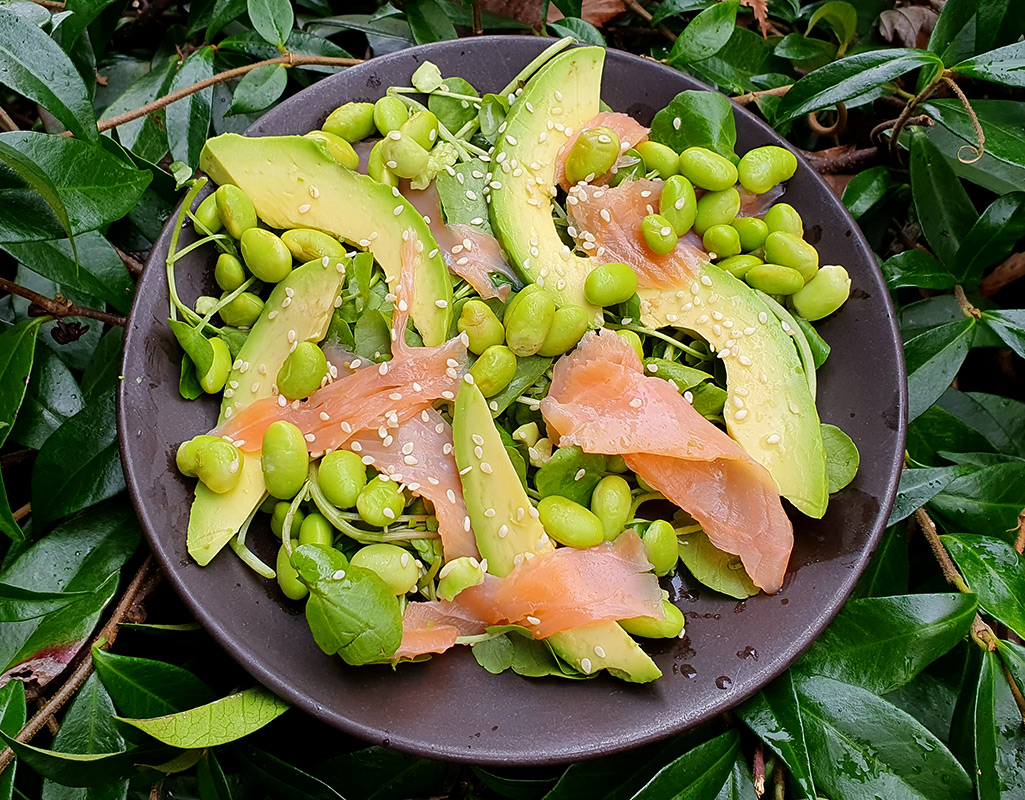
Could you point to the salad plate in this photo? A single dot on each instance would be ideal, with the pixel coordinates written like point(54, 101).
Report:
point(449, 707)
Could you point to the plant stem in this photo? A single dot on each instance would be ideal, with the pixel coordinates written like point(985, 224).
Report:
point(644, 14)
point(22, 512)
point(758, 769)
point(1019, 542)
point(750, 97)
point(133, 265)
point(6, 123)
point(966, 307)
point(60, 307)
point(946, 563)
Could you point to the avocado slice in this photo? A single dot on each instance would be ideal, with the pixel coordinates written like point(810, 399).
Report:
point(770, 411)
point(506, 529)
point(562, 96)
point(295, 183)
point(215, 518)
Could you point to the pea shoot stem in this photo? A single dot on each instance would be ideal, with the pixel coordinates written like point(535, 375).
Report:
point(658, 335)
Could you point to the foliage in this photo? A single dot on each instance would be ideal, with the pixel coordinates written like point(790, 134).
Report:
point(915, 691)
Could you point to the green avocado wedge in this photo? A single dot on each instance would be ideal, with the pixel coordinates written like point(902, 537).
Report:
point(507, 530)
point(294, 183)
point(215, 518)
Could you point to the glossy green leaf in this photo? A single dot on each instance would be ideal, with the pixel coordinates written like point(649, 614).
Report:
point(528, 371)
point(224, 11)
point(881, 643)
point(219, 722)
point(33, 65)
point(39, 182)
point(210, 781)
point(188, 120)
point(842, 457)
point(378, 773)
point(61, 487)
point(842, 17)
point(1001, 420)
point(916, 268)
point(995, 571)
point(715, 568)
point(986, 501)
point(941, 203)
point(17, 349)
point(13, 713)
point(931, 699)
point(259, 89)
point(933, 359)
point(672, 8)
point(144, 688)
point(103, 370)
point(806, 50)
point(1005, 65)
point(572, 473)
point(862, 746)
point(936, 431)
point(579, 29)
point(697, 774)
point(145, 137)
point(968, 27)
point(706, 34)
point(18, 604)
point(850, 77)
point(514, 788)
point(452, 192)
point(697, 119)
point(429, 22)
point(283, 780)
point(866, 189)
point(992, 238)
point(52, 396)
point(819, 347)
point(739, 784)
point(918, 486)
point(1009, 326)
point(83, 12)
point(88, 729)
point(774, 714)
point(272, 19)
point(887, 572)
point(73, 769)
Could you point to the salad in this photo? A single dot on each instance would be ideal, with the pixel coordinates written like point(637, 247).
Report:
point(493, 365)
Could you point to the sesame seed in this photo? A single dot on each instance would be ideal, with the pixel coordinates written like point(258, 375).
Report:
point(485, 467)
point(605, 215)
point(356, 447)
point(468, 378)
point(383, 369)
point(579, 474)
point(636, 403)
point(511, 139)
point(740, 414)
point(324, 416)
point(368, 460)
point(795, 409)
point(745, 361)
point(338, 574)
point(410, 461)
point(652, 368)
point(309, 437)
point(466, 470)
point(407, 448)
point(773, 438)
point(478, 451)
point(533, 620)
point(520, 513)
point(677, 122)
point(503, 531)
point(689, 397)
point(738, 402)
point(489, 512)
point(441, 303)
point(397, 210)
point(599, 651)
point(282, 401)
point(466, 524)
point(388, 513)
point(585, 665)
point(314, 191)
point(404, 561)
point(706, 280)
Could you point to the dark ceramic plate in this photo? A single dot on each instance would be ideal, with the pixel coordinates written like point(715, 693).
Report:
point(450, 707)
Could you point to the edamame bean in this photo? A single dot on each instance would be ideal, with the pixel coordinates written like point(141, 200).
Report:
point(634, 341)
point(458, 574)
point(570, 523)
point(678, 203)
point(393, 565)
point(235, 209)
point(389, 114)
point(229, 273)
point(219, 466)
point(629, 167)
point(352, 121)
point(266, 255)
point(658, 234)
point(762, 168)
point(739, 266)
point(316, 530)
point(307, 244)
point(302, 371)
point(215, 377)
point(284, 460)
point(187, 457)
point(610, 284)
point(660, 546)
point(721, 241)
point(716, 208)
point(341, 478)
point(659, 158)
point(774, 279)
point(616, 464)
point(651, 628)
point(380, 502)
point(823, 294)
point(376, 168)
point(568, 326)
point(494, 369)
point(707, 169)
point(480, 325)
point(336, 147)
point(592, 155)
point(288, 577)
point(610, 502)
point(528, 318)
point(277, 520)
point(784, 217)
point(422, 128)
point(243, 311)
point(792, 251)
point(403, 156)
point(528, 433)
point(207, 216)
point(752, 232)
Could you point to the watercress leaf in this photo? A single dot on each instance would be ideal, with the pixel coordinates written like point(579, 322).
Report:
point(881, 643)
point(866, 189)
point(849, 78)
point(429, 22)
point(493, 110)
point(372, 335)
point(528, 371)
point(697, 774)
point(18, 604)
point(570, 473)
point(842, 17)
point(61, 486)
point(281, 779)
point(819, 347)
point(377, 773)
point(29, 172)
point(706, 34)
point(774, 714)
point(697, 119)
point(941, 203)
point(933, 359)
point(918, 486)
point(33, 65)
point(715, 568)
point(1009, 326)
point(579, 29)
point(1000, 419)
point(887, 572)
point(143, 688)
point(351, 611)
point(1005, 65)
point(188, 120)
point(995, 571)
point(451, 112)
point(524, 656)
point(272, 19)
point(992, 238)
point(985, 501)
point(842, 457)
point(259, 89)
point(13, 713)
point(215, 723)
point(886, 752)
point(456, 204)
point(916, 268)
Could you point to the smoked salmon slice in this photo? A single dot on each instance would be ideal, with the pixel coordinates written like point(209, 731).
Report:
point(629, 130)
point(601, 400)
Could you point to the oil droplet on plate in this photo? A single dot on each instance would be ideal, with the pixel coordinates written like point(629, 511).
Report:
point(748, 652)
point(724, 683)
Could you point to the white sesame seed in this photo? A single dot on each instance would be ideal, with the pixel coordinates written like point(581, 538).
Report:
point(356, 447)
point(466, 470)
point(410, 461)
point(585, 665)
point(466, 524)
point(489, 512)
point(740, 414)
point(772, 438)
point(533, 620)
point(397, 210)
point(309, 437)
point(636, 403)
point(338, 574)
point(579, 474)
point(388, 513)
point(745, 361)
point(503, 531)
point(368, 460)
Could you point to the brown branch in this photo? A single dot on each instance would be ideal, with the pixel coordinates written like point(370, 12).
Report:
point(946, 563)
point(49, 5)
point(644, 14)
point(134, 266)
point(831, 130)
point(61, 307)
point(51, 723)
point(478, 23)
point(838, 160)
point(6, 123)
point(966, 307)
point(750, 97)
point(779, 780)
point(108, 633)
point(157, 791)
point(289, 60)
point(24, 511)
point(1019, 542)
point(980, 137)
point(1006, 272)
point(758, 768)
point(1019, 700)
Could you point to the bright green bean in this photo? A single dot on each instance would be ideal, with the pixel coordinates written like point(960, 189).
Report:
point(481, 326)
point(752, 232)
point(629, 167)
point(650, 628)
point(570, 523)
point(610, 502)
point(376, 168)
point(243, 311)
point(716, 208)
point(610, 284)
point(302, 372)
point(658, 234)
point(380, 502)
point(784, 217)
point(315, 529)
point(721, 241)
point(739, 266)
point(678, 203)
point(403, 156)
point(633, 340)
point(494, 369)
point(187, 457)
point(459, 574)
point(352, 121)
point(284, 460)
point(229, 272)
point(306, 244)
point(215, 378)
point(219, 466)
point(393, 564)
point(288, 577)
point(707, 169)
point(341, 478)
point(235, 209)
point(792, 251)
point(277, 519)
point(389, 114)
point(339, 149)
point(206, 214)
point(774, 279)
point(659, 158)
point(528, 318)
point(422, 128)
point(660, 546)
point(266, 255)
point(568, 326)
point(762, 168)
point(823, 294)
point(592, 155)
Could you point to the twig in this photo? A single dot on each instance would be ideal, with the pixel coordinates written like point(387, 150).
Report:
point(1019, 700)
point(289, 60)
point(832, 130)
point(946, 564)
point(49, 5)
point(758, 769)
point(25, 510)
point(478, 23)
point(980, 137)
point(6, 123)
point(103, 640)
point(905, 115)
point(1006, 272)
point(157, 791)
point(1019, 542)
point(837, 160)
point(966, 307)
point(61, 307)
point(51, 723)
point(644, 14)
point(779, 779)
point(750, 97)
point(134, 266)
